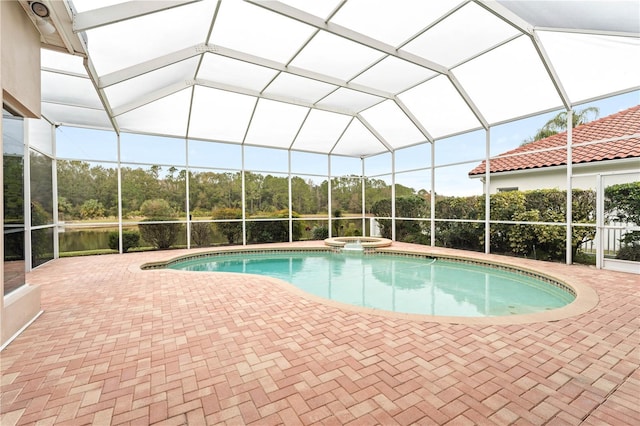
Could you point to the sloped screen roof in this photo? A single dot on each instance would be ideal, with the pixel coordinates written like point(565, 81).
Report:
point(352, 77)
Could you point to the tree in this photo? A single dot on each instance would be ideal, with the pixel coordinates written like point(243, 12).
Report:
point(40, 181)
point(64, 208)
point(91, 209)
point(375, 190)
point(13, 189)
point(210, 190)
point(558, 123)
point(137, 185)
point(78, 182)
point(253, 189)
point(274, 193)
point(302, 196)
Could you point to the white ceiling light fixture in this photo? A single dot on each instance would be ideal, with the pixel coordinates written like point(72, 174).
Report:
point(41, 12)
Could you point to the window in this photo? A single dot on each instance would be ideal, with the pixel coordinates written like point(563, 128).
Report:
point(13, 201)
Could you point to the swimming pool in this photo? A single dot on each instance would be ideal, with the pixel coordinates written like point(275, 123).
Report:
point(413, 285)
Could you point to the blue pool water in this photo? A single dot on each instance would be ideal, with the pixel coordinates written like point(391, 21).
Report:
point(397, 283)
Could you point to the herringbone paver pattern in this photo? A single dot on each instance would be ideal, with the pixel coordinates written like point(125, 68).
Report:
point(117, 345)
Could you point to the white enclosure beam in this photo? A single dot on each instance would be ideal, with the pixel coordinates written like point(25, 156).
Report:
point(290, 195)
point(467, 99)
point(256, 60)
point(54, 190)
point(329, 202)
point(413, 119)
point(189, 52)
point(542, 53)
point(120, 215)
point(520, 24)
point(95, 18)
point(599, 222)
point(506, 15)
point(63, 72)
point(393, 196)
point(151, 97)
point(375, 133)
point(341, 135)
point(278, 98)
point(432, 196)
point(590, 32)
point(62, 19)
point(244, 198)
point(314, 21)
point(157, 63)
point(301, 16)
point(88, 65)
point(487, 192)
point(364, 200)
point(187, 207)
point(569, 213)
point(150, 65)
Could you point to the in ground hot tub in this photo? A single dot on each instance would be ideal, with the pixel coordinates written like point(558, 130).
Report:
point(354, 242)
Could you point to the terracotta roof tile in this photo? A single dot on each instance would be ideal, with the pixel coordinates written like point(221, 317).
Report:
point(623, 123)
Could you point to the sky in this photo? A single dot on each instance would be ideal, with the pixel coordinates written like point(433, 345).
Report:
point(468, 149)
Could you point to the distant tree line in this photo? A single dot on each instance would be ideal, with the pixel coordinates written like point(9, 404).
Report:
point(87, 191)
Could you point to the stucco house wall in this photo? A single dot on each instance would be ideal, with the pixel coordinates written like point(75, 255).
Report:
point(584, 176)
point(20, 84)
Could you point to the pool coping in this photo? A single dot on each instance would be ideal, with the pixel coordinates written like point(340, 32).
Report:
point(586, 298)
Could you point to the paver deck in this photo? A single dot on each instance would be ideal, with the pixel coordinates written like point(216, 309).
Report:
point(118, 345)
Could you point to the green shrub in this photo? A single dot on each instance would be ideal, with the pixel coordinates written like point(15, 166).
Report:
point(159, 235)
point(543, 242)
point(201, 234)
point(584, 258)
point(622, 204)
point(130, 239)
point(320, 232)
point(529, 240)
point(352, 231)
point(274, 231)
point(231, 230)
point(467, 236)
point(629, 252)
point(157, 209)
point(411, 206)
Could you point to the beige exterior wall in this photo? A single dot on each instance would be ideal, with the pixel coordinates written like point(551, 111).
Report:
point(20, 60)
point(20, 84)
point(556, 177)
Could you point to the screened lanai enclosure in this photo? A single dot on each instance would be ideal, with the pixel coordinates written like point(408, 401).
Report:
point(201, 123)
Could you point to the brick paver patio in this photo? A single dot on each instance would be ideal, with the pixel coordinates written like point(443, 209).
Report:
point(117, 345)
